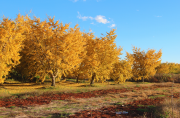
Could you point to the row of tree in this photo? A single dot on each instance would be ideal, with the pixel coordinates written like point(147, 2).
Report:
point(33, 47)
point(168, 68)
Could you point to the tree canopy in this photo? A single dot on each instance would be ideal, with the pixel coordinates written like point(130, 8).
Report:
point(11, 39)
point(145, 63)
point(49, 49)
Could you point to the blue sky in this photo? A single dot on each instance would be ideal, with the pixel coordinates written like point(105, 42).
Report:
point(146, 24)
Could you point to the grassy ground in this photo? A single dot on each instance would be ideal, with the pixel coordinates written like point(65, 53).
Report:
point(15, 87)
point(74, 105)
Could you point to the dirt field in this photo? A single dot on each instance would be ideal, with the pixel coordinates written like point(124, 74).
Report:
point(72, 100)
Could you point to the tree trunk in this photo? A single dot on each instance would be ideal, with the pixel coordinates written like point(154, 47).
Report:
point(63, 77)
point(77, 78)
point(53, 78)
point(92, 80)
point(143, 80)
point(53, 81)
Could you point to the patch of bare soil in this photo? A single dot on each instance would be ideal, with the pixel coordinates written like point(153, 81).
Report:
point(103, 103)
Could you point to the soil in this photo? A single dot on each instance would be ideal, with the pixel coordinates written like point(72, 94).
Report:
point(96, 104)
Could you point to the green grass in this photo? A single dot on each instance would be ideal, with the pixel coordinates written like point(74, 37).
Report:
point(37, 92)
point(118, 103)
point(143, 110)
point(165, 90)
point(156, 96)
point(140, 105)
point(158, 89)
point(78, 91)
point(150, 106)
point(166, 115)
point(133, 90)
point(126, 87)
point(13, 106)
point(61, 88)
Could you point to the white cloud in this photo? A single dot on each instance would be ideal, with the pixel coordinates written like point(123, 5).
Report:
point(84, 17)
point(113, 25)
point(101, 19)
point(98, 18)
point(91, 17)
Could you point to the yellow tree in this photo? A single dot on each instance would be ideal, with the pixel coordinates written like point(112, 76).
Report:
point(108, 55)
point(101, 55)
point(178, 69)
point(173, 68)
point(90, 62)
point(163, 68)
point(50, 49)
point(123, 69)
point(11, 39)
point(145, 63)
point(78, 73)
point(79, 70)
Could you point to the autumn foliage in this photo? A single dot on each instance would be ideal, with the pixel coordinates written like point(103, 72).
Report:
point(144, 64)
point(162, 68)
point(11, 38)
point(122, 69)
point(48, 48)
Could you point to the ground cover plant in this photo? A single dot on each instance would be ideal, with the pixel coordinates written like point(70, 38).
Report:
point(101, 100)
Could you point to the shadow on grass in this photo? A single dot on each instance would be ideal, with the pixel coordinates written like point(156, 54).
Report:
point(88, 86)
point(60, 115)
point(140, 111)
point(18, 84)
point(48, 90)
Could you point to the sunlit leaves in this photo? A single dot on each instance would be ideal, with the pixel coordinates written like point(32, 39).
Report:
point(162, 68)
point(174, 68)
point(145, 63)
point(49, 49)
point(122, 70)
point(11, 39)
point(108, 55)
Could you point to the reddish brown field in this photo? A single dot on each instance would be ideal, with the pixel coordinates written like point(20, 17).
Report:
point(142, 100)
